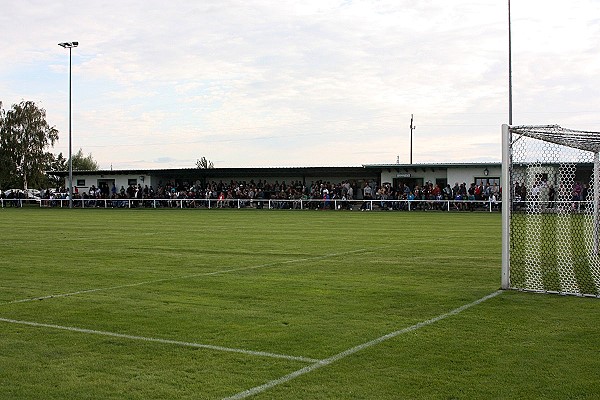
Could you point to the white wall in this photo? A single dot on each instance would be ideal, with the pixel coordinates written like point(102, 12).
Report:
point(426, 173)
point(120, 180)
point(468, 174)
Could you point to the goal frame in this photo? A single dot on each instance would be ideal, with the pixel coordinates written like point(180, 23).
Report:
point(506, 202)
point(580, 140)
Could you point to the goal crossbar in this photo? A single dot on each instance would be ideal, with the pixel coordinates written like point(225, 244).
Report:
point(582, 140)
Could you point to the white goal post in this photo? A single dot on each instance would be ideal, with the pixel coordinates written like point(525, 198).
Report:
point(551, 210)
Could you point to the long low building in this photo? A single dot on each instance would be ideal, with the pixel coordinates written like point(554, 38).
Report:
point(394, 174)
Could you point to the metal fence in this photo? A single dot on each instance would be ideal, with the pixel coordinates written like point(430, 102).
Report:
point(269, 204)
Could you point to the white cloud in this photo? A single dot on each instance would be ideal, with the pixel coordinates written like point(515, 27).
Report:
point(300, 83)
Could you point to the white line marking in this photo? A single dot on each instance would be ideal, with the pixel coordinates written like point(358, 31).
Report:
point(163, 341)
point(52, 296)
point(346, 353)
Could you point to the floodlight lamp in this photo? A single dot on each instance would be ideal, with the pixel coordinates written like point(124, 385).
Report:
point(68, 45)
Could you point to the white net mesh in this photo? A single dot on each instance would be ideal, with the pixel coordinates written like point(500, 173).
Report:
point(554, 221)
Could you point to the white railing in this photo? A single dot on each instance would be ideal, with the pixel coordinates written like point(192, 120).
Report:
point(271, 204)
point(18, 202)
point(306, 204)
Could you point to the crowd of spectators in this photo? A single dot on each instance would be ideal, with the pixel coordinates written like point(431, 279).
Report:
point(318, 194)
point(543, 194)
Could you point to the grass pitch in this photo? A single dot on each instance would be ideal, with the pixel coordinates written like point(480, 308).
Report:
point(210, 304)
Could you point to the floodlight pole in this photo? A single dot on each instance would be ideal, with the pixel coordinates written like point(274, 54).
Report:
point(509, 69)
point(70, 45)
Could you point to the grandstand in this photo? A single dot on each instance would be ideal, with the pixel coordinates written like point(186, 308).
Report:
point(394, 174)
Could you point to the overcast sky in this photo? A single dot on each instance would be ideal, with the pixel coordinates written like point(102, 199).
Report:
point(247, 83)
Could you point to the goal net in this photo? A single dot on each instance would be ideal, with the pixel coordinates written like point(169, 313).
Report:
point(550, 210)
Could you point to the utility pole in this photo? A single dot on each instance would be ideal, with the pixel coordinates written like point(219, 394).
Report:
point(412, 127)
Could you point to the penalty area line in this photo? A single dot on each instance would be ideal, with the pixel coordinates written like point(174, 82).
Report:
point(162, 341)
point(346, 353)
point(225, 271)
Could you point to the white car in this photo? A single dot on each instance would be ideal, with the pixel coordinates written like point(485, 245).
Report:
point(32, 194)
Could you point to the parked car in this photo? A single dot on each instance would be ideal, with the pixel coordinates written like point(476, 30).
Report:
point(30, 194)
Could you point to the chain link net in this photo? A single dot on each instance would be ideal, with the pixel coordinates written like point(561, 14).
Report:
point(554, 223)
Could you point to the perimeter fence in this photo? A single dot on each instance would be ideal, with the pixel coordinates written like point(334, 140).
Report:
point(268, 204)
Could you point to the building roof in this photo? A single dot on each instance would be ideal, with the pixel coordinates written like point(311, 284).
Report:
point(267, 171)
point(436, 165)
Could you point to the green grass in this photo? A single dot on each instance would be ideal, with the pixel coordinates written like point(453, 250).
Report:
point(296, 283)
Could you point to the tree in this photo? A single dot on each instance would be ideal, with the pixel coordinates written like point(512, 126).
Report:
point(57, 163)
point(84, 163)
point(203, 163)
point(24, 137)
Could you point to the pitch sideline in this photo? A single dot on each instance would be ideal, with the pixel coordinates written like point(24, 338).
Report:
point(159, 340)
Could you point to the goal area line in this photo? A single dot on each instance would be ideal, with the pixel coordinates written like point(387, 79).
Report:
point(322, 363)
